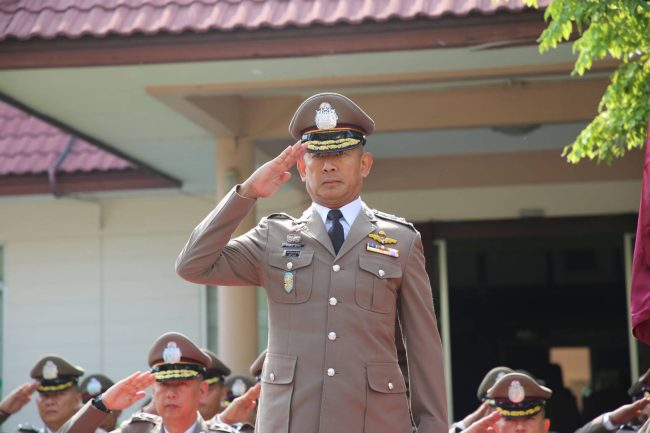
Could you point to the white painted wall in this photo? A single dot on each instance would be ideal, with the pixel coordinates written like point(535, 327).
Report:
point(94, 282)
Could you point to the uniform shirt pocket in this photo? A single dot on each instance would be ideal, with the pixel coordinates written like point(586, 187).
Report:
point(277, 392)
point(289, 279)
point(377, 282)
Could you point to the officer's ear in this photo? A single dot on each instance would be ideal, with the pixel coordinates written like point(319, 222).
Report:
point(203, 388)
point(366, 164)
point(302, 168)
point(547, 424)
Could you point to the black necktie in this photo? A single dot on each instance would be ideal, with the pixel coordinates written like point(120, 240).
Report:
point(336, 231)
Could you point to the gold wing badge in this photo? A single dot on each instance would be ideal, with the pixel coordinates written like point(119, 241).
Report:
point(379, 246)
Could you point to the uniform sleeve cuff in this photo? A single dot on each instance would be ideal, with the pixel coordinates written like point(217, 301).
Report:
point(608, 424)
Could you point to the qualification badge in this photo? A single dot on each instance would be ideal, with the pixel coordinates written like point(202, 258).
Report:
point(288, 282)
point(293, 238)
point(382, 238)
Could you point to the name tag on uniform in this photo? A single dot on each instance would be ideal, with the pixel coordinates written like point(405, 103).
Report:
point(291, 253)
point(382, 249)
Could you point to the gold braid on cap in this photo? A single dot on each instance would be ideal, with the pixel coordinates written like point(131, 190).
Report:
point(525, 409)
point(55, 388)
point(332, 144)
point(213, 380)
point(520, 413)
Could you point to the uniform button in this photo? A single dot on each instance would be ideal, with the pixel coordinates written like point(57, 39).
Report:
point(330, 372)
point(391, 386)
point(272, 377)
point(289, 265)
point(381, 273)
point(336, 268)
point(333, 301)
point(332, 336)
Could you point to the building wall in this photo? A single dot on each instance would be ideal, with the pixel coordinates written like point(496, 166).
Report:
point(94, 282)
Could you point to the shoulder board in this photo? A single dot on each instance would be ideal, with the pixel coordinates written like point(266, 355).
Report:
point(143, 417)
point(28, 428)
point(279, 215)
point(391, 217)
point(215, 426)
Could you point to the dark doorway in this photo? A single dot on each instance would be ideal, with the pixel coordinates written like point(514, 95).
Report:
point(520, 289)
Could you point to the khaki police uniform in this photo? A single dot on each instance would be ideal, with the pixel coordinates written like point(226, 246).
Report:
point(331, 364)
point(639, 389)
point(172, 357)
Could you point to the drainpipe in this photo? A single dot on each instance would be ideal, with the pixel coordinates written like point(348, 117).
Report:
point(52, 169)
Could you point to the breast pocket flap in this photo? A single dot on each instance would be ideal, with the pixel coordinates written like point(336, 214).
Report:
point(386, 378)
point(278, 260)
point(380, 267)
point(279, 369)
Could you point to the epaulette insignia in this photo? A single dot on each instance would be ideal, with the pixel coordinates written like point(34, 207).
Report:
point(280, 215)
point(144, 417)
point(391, 217)
point(28, 428)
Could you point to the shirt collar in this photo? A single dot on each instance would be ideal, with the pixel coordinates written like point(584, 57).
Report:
point(349, 211)
point(189, 430)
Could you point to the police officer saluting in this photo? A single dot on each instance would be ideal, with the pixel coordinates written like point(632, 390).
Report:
point(177, 369)
point(336, 279)
point(59, 396)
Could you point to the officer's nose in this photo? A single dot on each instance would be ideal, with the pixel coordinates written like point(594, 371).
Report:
point(328, 165)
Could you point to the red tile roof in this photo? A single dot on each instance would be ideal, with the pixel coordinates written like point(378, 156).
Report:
point(27, 19)
point(33, 160)
point(29, 145)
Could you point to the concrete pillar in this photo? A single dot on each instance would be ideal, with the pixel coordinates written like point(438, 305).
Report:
point(237, 309)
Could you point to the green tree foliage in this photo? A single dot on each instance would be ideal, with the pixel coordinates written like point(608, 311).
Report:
point(619, 29)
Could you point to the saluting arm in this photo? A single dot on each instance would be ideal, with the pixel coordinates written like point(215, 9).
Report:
point(210, 256)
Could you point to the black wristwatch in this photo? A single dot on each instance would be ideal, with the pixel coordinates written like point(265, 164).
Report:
point(99, 404)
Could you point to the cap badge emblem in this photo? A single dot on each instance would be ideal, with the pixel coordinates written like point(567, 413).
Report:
point(326, 117)
point(172, 353)
point(50, 370)
point(94, 386)
point(516, 392)
point(238, 388)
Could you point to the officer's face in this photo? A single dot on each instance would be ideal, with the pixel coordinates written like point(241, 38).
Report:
point(56, 408)
point(178, 400)
point(534, 424)
point(335, 179)
point(211, 402)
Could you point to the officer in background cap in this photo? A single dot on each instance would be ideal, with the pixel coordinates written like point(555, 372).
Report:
point(59, 396)
point(484, 408)
point(520, 400)
point(92, 386)
point(177, 371)
point(628, 417)
point(215, 376)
